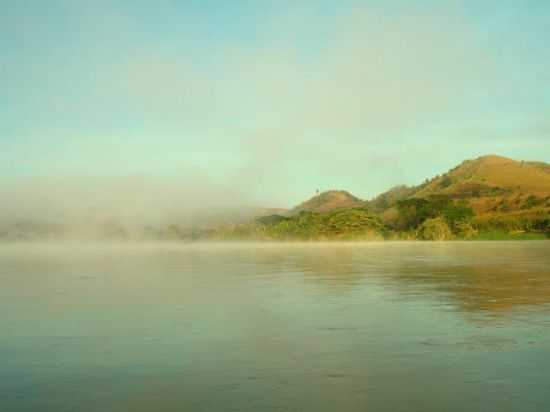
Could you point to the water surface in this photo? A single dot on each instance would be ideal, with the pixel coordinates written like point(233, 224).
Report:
point(261, 327)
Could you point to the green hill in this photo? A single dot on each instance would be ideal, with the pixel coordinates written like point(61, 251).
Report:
point(488, 183)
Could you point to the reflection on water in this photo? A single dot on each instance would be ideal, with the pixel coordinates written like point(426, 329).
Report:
point(253, 327)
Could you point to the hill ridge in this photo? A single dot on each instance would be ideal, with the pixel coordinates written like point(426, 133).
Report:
point(329, 200)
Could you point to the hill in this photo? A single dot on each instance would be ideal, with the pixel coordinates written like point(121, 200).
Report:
point(493, 184)
point(329, 201)
point(488, 184)
point(488, 195)
point(503, 195)
point(389, 198)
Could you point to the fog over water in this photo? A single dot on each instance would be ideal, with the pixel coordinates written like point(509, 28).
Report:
point(83, 206)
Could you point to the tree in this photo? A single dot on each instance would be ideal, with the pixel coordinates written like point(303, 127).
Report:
point(414, 211)
point(456, 213)
point(435, 229)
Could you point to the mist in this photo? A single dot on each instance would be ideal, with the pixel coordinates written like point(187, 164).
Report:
point(120, 207)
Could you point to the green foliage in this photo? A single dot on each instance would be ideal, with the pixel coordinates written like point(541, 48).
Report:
point(415, 211)
point(532, 201)
point(390, 198)
point(356, 223)
point(435, 229)
point(504, 235)
point(541, 224)
point(457, 212)
point(503, 206)
point(530, 223)
point(445, 182)
point(465, 230)
point(412, 212)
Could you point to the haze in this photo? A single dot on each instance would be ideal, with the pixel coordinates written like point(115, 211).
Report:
point(154, 108)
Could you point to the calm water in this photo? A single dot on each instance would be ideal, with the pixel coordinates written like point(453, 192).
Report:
point(374, 327)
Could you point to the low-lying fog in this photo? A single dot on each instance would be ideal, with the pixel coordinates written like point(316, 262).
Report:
point(130, 208)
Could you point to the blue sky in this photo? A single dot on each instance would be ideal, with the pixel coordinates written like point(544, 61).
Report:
point(277, 98)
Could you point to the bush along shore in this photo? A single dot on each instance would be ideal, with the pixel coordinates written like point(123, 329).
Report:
point(436, 218)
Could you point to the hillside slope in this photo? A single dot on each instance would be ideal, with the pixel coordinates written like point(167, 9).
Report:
point(489, 184)
point(493, 183)
point(493, 172)
point(328, 201)
point(389, 198)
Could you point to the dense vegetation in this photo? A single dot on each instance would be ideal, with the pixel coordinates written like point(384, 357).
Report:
point(355, 223)
point(414, 212)
point(437, 217)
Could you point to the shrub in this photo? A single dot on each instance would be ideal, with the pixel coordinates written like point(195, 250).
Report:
point(413, 212)
point(532, 201)
point(465, 230)
point(435, 229)
point(445, 182)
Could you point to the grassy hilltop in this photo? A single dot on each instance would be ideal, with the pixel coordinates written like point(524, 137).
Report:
point(506, 197)
point(490, 197)
point(328, 201)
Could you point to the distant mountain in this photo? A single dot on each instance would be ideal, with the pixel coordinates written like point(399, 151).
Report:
point(329, 201)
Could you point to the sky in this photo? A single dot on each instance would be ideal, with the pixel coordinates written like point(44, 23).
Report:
point(264, 102)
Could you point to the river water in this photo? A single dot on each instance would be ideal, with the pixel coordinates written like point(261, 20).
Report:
point(389, 326)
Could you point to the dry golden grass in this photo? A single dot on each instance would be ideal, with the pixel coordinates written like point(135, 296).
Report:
point(493, 172)
point(494, 185)
point(330, 200)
